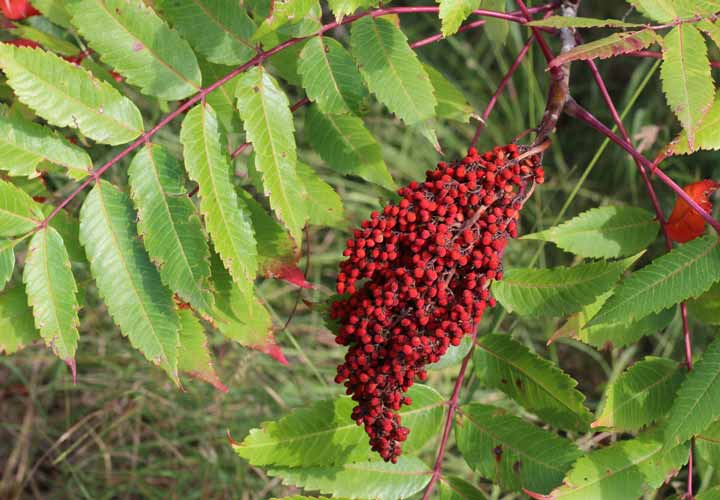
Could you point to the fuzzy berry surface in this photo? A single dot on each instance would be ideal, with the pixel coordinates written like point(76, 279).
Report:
point(416, 277)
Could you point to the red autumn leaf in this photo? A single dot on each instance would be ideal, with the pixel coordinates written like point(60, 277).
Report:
point(686, 224)
point(273, 350)
point(17, 9)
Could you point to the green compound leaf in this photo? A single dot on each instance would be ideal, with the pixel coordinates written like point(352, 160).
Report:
point(17, 327)
point(556, 291)
point(330, 77)
point(640, 395)
point(24, 145)
point(219, 29)
point(687, 82)
point(7, 261)
point(707, 134)
point(284, 12)
point(534, 382)
point(68, 96)
point(169, 225)
point(268, 123)
point(392, 70)
point(693, 409)
point(326, 208)
point(361, 480)
point(126, 279)
point(625, 469)
point(455, 488)
point(686, 271)
point(511, 452)
point(347, 147)
point(605, 232)
point(194, 356)
point(134, 41)
point(324, 433)
point(229, 225)
point(19, 214)
point(52, 293)
point(342, 8)
point(613, 45)
point(451, 103)
point(454, 12)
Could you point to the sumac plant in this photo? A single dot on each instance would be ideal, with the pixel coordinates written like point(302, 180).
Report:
point(164, 162)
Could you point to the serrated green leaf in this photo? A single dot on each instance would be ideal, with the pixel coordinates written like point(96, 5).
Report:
point(622, 470)
point(139, 45)
point(24, 145)
point(658, 10)
point(7, 261)
point(169, 225)
point(534, 382)
point(706, 308)
point(707, 443)
point(19, 214)
point(581, 22)
point(68, 96)
point(342, 8)
point(218, 29)
point(510, 452)
point(685, 74)
point(686, 271)
point(326, 208)
point(324, 434)
point(454, 12)
point(125, 277)
point(229, 225)
point(707, 135)
point(68, 226)
point(604, 232)
point(193, 352)
point(392, 70)
point(17, 327)
point(640, 395)
point(330, 77)
point(456, 488)
point(693, 409)
point(451, 103)
point(222, 99)
point(613, 45)
point(283, 12)
point(622, 333)
point(268, 123)
point(54, 10)
point(361, 480)
point(347, 147)
point(52, 293)
point(48, 41)
point(556, 291)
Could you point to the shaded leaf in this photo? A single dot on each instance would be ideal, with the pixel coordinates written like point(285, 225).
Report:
point(608, 232)
point(511, 452)
point(613, 45)
point(7, 261)
point(534, 382)
point(686, 271)
point(347, 147)
point(54, 10)
point(218, 29)
point(581, 22)
point(324, 433)
point(193, 351)
point(19, 214)
point(451, 103)
point(52, 293)
point(685, 74)
point(24, 145)
point(169, 225)
point(640, 395)
point(268, 123)
point(706, 308)
point(46, 40)
point(454, 354)
point(222, 99)
point(455, 488)
point(326, 208)
point(363, 479)
point(330, 77)
point(707, 443)
point(556, 291)
point(709, 494)
point(17, 327)
point(621, 333)
point(125, 277)
point(692, 411)
point(207, 163)
point(68, 96)
point(391, 69)
point(139, 45)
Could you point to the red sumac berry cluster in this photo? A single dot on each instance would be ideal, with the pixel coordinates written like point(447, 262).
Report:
point(416, 279)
